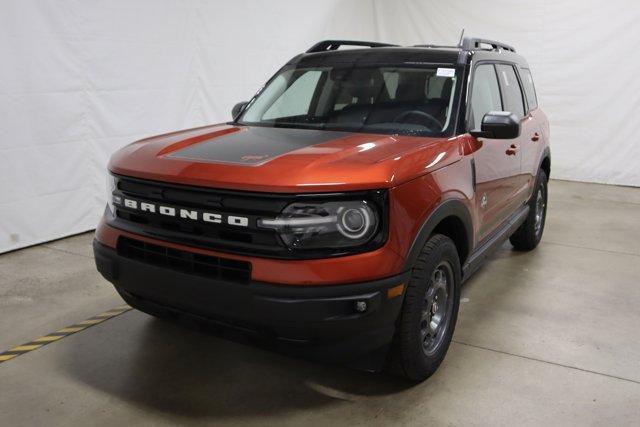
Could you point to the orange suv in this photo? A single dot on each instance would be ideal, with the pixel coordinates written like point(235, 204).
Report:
point(338, 213)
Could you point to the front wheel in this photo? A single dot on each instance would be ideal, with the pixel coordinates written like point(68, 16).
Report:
point(528, 235)
point(429, 311)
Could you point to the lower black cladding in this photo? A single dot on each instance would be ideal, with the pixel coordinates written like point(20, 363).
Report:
point(186, 262)
point(320, 322)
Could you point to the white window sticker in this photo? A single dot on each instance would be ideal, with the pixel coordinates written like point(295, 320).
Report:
point(446, 72)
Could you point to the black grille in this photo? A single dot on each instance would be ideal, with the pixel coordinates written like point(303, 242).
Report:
point(250, 240)
point(186, 262)
point(244, 240)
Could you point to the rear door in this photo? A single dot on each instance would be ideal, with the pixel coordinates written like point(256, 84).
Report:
point(514, 102)
point(497, 163)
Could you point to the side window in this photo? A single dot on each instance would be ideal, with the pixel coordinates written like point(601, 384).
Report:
point(485, 94)
point(529, 89)
point(296, 99)
point(511, 90)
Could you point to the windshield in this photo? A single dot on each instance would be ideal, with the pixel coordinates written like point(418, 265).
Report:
point(394, 99)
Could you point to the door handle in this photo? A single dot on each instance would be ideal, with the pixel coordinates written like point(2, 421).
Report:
point(535, 137)
point(512, 150)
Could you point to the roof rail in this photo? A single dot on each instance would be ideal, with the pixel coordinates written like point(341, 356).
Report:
point(471, 43)
point(437, 46)
point(326, 45)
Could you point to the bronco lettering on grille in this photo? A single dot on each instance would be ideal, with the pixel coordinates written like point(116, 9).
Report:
point(188, 214)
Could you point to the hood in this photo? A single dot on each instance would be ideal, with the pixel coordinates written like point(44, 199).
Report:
point(283, 160)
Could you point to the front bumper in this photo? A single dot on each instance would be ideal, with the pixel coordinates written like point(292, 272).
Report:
point(318, 321)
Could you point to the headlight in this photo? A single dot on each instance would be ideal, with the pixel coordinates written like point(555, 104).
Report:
point(110, 188)
point(336, 224)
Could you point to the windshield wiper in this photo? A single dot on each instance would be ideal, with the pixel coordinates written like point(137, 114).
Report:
point(289, 125)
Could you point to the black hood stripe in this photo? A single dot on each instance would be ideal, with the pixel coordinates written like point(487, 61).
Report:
point(254, 145)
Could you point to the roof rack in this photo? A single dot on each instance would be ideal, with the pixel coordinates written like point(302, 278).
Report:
point(468, 43)
point(471, 43)
point(437, 46)
point(326, 45)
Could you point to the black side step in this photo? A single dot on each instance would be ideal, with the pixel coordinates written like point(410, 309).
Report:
point(477, 258)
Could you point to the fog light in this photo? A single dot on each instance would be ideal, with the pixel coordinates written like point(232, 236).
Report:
point(360, 306)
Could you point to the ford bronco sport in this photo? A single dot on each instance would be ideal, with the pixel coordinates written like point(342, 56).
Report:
point(339, 212)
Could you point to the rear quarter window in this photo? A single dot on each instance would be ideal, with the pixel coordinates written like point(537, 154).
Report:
point(529, 88)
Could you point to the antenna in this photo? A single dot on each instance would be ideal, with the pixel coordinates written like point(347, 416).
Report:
point(461, 37)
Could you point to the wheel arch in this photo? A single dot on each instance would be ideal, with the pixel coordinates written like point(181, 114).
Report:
point(451, 218)
point(545, 162)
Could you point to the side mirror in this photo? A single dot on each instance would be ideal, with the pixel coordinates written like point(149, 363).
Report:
point(238, 109)
point(498, 125)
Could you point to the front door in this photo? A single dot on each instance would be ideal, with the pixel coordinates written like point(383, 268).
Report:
point(497, 161)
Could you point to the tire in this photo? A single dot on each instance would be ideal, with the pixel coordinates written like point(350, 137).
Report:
point(418, 350)
point(528, 235)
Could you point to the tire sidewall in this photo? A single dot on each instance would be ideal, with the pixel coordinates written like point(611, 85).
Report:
point(541, 182)
point(417, 364)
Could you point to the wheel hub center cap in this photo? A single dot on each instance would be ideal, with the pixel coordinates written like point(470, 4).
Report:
point(434, 308)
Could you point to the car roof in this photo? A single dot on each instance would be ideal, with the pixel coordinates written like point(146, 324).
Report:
point(378, 55)
point(327, 53)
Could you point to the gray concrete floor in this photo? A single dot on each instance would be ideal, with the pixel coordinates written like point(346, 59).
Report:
point(548, 337)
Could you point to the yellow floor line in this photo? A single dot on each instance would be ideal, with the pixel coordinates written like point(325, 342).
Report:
point(74, 329)
point(26, 347)
point(4, 357)
point(108, 314)
point(61, 333)
point(49, 338)
point(92, 321)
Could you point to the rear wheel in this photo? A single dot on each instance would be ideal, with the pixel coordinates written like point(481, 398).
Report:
point(528, 235)
point(429, 312)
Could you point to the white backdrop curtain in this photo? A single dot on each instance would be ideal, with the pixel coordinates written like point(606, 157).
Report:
point(81, 78)
point(584, 64)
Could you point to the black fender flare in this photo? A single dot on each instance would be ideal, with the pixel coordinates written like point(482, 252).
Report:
point(451, 207)
point(546, 154)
